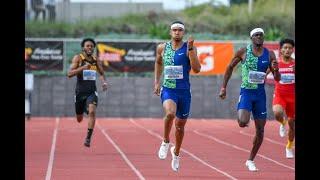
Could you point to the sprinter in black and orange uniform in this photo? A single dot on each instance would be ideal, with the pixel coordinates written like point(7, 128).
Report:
point(85, 66)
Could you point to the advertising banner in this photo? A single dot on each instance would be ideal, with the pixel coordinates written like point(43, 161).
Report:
point(44, 55)
point(127, 56)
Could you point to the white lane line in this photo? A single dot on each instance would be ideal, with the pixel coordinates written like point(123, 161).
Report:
point(184, 150)
point(121, 153)
point(53, 147)
point(247, 134)
point(241, 149)
point(265, 138)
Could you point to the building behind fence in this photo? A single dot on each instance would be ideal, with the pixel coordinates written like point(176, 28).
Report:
point(67, 11)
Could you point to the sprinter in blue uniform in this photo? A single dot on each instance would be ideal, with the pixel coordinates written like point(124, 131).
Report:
point(174, 60)
point(255, 61)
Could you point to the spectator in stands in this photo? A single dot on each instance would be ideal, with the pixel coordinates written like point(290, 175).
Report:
point(51, 6)
point(38, 7)
point(26, 10)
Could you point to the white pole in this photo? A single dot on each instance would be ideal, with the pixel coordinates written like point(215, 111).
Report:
point(250, 6)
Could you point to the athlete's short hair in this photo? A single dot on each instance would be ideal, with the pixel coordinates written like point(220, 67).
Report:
point(88, 39)
point(177, 22)
point(286, 40)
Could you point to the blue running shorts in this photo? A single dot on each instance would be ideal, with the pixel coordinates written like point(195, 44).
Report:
point(182, 98)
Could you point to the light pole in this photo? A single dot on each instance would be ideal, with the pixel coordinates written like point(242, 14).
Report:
point(250, 2)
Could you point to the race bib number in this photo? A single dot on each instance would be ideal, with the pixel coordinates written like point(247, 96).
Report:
point(89, 75)
point(173, 72)
point(256, 77)
point(287, 78)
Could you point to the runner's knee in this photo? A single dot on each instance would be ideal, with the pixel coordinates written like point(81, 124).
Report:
point(170, 115)
point(92, 113)
point(291, 124)
point(260, 132)
point(278, 112)
point(242, 123)
point(179, 128)
point(79, 118)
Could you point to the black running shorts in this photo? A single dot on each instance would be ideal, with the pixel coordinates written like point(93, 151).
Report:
point(82, 102)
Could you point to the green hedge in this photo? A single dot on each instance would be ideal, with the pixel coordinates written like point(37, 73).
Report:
point(276, 17)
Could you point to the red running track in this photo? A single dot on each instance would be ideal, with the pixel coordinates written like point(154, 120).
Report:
point(125, 148)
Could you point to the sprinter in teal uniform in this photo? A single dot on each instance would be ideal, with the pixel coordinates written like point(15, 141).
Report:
point(175, 59)
point(255, 60)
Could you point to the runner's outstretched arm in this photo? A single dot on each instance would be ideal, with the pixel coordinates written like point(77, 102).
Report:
point(227, 75)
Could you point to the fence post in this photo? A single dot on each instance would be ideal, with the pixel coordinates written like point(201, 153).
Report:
point(28, 88)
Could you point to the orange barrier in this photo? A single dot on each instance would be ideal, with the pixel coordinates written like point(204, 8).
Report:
point(214, 57)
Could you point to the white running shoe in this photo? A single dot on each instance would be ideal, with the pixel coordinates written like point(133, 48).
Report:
point(282, 130)
point(175, 160)
point(289, 153)
point(251, 166)
point(163, 151)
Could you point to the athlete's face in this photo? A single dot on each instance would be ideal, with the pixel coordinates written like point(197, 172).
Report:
point(257, 38)
point(88, 48)
point(286, 50)
point(177, 33)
